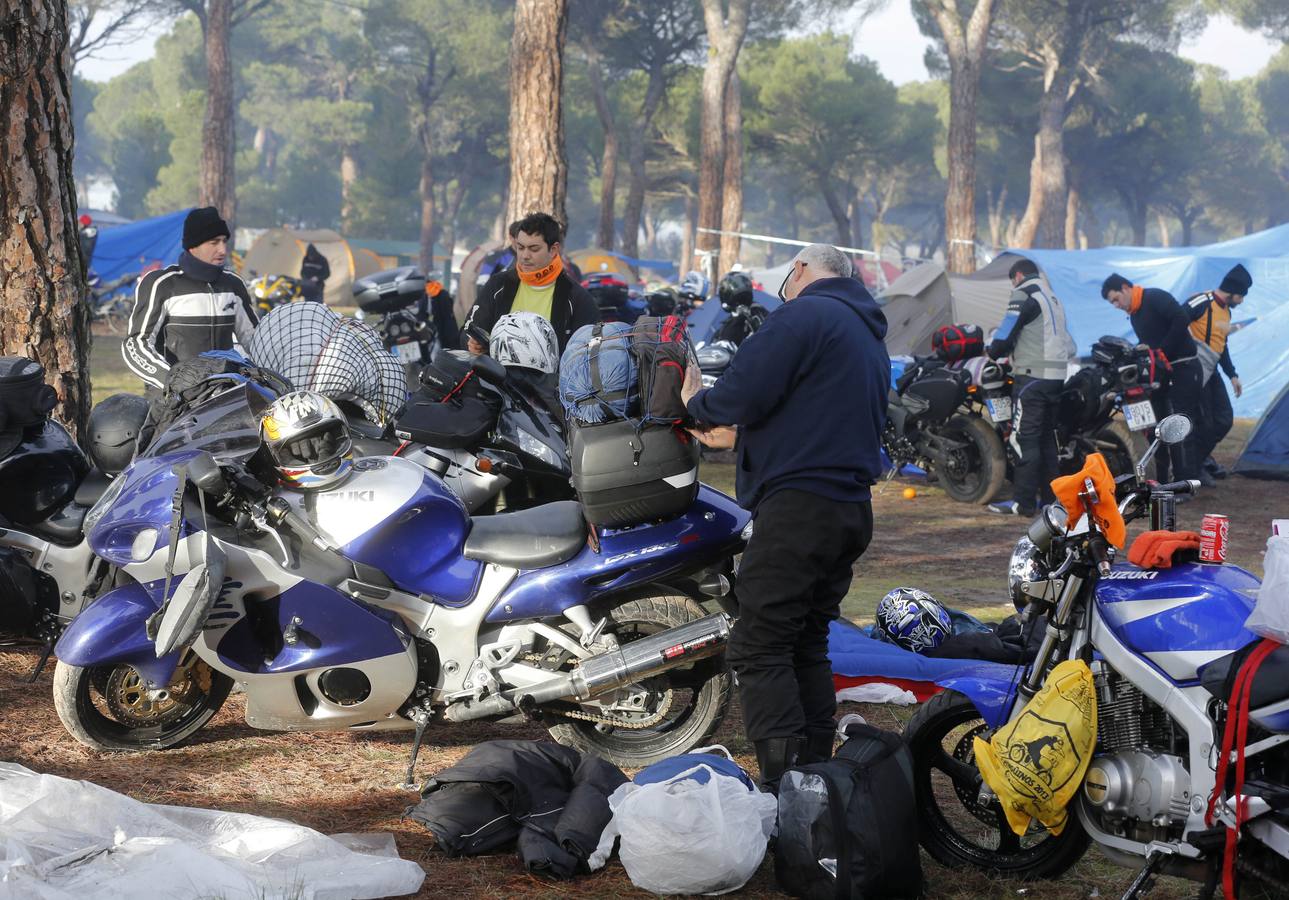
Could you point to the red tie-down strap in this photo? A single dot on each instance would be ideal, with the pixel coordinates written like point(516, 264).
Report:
point(1234, 736)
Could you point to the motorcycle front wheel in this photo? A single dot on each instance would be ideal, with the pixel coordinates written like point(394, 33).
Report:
point(109, 707)
point(974, 472)
point(954, 826)
point(685, 705)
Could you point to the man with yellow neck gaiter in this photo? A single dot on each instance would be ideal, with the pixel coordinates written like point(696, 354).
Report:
point(537, 283)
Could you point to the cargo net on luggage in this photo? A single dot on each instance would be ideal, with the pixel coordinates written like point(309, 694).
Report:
point(617, 371)
point(318, 350)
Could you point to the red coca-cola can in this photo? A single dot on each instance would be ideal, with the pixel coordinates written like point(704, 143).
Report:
point(1214, 532)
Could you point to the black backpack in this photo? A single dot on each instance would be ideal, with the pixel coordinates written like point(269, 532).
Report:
point(848, 826)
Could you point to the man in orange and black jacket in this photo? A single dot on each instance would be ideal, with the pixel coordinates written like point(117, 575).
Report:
point(1210, 314)
point(1163, 324)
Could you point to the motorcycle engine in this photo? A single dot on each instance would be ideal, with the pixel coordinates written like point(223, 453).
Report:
point(1137, 785)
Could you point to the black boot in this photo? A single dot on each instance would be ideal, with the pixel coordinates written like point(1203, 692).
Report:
point(818, 747)
point(774, 756)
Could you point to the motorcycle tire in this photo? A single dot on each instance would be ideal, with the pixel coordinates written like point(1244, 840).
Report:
point(81, 699)
point(953, 826)
point(976, 473)
point(699, 694)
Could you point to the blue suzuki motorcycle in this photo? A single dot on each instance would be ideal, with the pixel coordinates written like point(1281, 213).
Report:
point(380, 604)
point(1161, 644)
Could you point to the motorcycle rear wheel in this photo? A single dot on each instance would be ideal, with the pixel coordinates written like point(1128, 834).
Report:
point(975, 473)
point(107, 708)
point(953, 826)
point(699, 693)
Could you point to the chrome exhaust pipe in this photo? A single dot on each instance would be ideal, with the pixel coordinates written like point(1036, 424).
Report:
point(604, 672)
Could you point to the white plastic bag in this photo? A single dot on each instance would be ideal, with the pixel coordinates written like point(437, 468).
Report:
point(683, 836)
point(62, 840)
point(1270, 616)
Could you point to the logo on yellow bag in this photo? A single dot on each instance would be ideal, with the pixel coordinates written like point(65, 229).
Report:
point(1036, 762)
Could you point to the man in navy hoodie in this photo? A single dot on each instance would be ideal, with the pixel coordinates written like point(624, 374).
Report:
point(808, 394)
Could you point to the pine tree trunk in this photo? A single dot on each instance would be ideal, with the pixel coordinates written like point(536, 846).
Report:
point(687, 236)
point(42, 312)
point(835, 207)
point(1072, 202)
point(609, 161)
point(538, 167)
point(965, 47)
point(643, 129)
point(1163, 230)
point(732, 175)
point(725, 33)
point(426, 190)
point(218, 144)
point(1043, 224)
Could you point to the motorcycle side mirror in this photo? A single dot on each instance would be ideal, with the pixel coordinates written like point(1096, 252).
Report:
point(204, 472)
point(1174, 429)
point(488, 369)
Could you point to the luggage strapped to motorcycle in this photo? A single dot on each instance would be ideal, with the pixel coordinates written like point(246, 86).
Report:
point(1234, 738)
point(599, 394)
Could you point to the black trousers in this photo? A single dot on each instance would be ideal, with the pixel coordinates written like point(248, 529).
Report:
point(1216, 416)
point(794, 574)
point(1184, 394)
point(1036, 402)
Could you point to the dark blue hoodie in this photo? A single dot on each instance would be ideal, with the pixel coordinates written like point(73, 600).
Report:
point(809, 392)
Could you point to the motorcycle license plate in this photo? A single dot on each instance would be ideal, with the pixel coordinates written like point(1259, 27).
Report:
point(409, 352)
point(1140, 415)
point(1000, 408)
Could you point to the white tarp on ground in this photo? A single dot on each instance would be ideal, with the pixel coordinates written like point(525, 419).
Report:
point(69, 840)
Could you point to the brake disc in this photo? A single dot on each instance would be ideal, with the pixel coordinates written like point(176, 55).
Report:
point(134, 705)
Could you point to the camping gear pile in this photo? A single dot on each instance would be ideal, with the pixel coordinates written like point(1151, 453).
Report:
point(620, 387)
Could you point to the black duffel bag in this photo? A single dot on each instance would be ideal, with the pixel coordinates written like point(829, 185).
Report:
point(848, 826)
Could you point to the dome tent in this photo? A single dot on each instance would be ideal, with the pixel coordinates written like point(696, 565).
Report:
point(280, 251)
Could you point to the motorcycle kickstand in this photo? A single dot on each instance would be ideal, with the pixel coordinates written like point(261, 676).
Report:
point(40, 664)
point(422, 718)
point(1145, 880)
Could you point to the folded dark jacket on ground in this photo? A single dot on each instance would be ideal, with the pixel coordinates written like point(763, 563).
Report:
point(549, 800)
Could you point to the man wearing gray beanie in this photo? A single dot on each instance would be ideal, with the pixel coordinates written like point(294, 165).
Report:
point(1210, 314)
point(188, 308)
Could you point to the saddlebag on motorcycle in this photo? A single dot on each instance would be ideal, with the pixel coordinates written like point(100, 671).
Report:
point(453, 409)
point(848, 826)
point(393, 289)
point(955, 343)
point(1081, 397)
point(449, 376)
point(626, 473)
point(936, 395)
point(25, 399)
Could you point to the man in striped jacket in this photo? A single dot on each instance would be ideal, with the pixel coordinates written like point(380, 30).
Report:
point(186, 309)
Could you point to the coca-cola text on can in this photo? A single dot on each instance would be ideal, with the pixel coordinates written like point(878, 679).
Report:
point(1214, 533)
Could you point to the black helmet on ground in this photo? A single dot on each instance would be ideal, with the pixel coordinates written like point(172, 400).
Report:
point(735, 290)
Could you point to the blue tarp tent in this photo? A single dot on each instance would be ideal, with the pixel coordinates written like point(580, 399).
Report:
point(139, 245)
point(1266, 455)
point(1260, 352)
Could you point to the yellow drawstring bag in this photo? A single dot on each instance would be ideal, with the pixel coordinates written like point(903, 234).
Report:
point(1036, 762)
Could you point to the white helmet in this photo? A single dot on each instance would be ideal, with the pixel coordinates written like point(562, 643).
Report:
point(307, 437)
point(525, 339)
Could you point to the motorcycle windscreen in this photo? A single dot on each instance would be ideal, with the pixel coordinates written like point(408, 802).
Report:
point(226, 426)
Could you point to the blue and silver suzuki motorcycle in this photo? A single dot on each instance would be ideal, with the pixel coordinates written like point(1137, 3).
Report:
point(1160, 644)
point(380, 604)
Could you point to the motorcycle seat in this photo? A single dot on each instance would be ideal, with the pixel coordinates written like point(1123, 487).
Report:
point(94, 486)
point(1270, 684)
point(534, 538)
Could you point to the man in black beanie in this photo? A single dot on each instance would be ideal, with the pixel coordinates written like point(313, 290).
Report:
point(1210, 314)
point(186, 309)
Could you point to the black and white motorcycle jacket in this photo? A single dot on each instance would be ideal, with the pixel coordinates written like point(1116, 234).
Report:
point(182, 311)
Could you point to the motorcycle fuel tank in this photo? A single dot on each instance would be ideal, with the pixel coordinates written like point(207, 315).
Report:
point(1178, 619)
point(394, 516)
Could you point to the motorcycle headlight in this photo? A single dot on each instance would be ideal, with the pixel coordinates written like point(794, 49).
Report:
point(530, 444)
point(1026, 565)
point(130, 544)
point(98, 509)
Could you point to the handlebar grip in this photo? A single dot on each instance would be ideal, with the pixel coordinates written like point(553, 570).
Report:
point(1100, 551)
point(299, 525)
point(1189, 486)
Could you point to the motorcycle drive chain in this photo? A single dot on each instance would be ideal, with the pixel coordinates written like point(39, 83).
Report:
point(614, 721)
